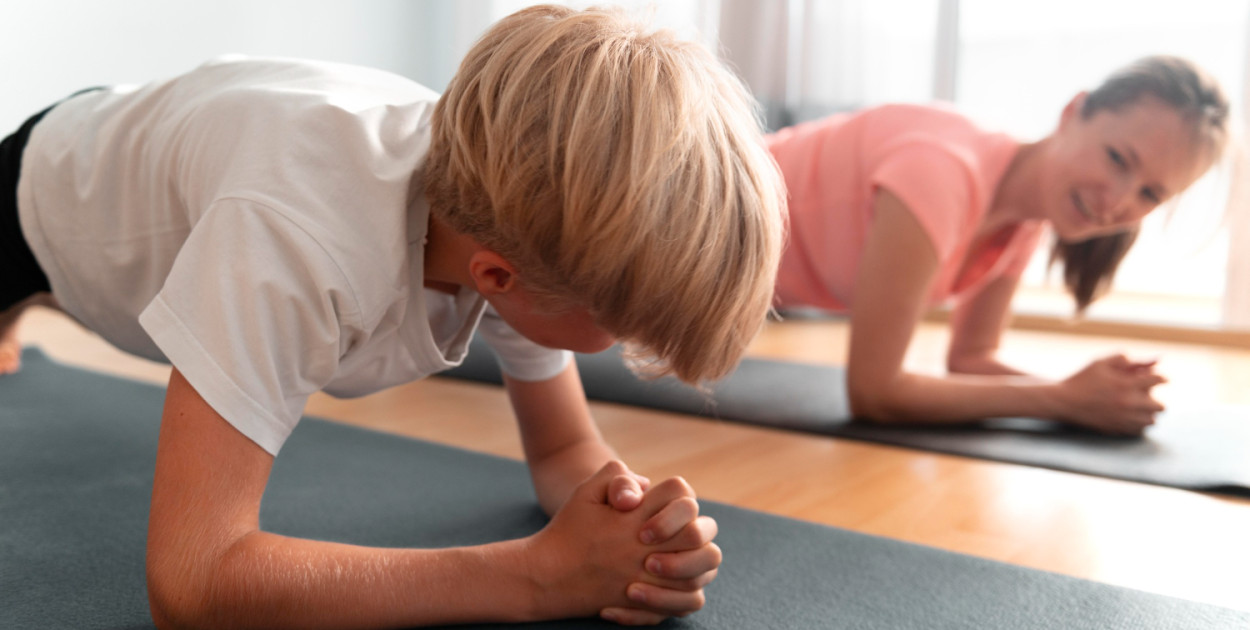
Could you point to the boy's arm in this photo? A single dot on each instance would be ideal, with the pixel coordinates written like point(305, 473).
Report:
point(562, 444)
point(209, 565)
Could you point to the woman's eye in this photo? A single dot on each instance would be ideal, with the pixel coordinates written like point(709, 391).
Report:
point(1116, 158)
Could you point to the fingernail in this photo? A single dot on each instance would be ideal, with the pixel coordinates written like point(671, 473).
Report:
point(653, 566)
point(647, 536)
point(610, 614)
point(627, 493)
point(637, 594)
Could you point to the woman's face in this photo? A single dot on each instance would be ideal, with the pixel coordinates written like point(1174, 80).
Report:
point(1106, 172)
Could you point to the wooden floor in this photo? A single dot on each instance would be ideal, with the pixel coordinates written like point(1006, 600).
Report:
point(1179, 543)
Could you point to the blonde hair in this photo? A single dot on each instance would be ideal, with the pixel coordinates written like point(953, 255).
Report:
point(619, 170)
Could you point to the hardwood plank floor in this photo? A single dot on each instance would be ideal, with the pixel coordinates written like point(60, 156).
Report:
point(1174, 542)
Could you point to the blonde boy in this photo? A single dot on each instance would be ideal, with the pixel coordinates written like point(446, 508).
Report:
point(276, 227)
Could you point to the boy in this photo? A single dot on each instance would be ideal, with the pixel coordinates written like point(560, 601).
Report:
point(275, 227)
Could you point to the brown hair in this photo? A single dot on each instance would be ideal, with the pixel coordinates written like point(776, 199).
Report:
point(1089, 266)
point(619, 170)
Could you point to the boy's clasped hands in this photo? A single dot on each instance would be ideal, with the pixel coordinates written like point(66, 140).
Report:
point(643, 549)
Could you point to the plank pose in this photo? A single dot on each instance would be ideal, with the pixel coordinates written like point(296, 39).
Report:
point(899, 208)
point(275, 227)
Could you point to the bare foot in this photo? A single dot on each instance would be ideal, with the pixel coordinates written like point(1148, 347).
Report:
point(10, 350)
point(10, 346)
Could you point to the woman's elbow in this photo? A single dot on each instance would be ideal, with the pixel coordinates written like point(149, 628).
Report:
point(871, 399)
point(962, 364)
point(971, 362)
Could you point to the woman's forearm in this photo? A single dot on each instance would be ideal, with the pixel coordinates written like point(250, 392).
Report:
point(957, 398)
point(985, 365)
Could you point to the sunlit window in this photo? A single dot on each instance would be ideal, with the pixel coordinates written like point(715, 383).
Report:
point(1018, 65)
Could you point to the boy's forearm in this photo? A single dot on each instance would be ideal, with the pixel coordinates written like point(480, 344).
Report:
point(562, 445)
point(556, 475)
point(268, 581)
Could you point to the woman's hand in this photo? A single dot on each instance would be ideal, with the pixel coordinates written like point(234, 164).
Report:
point(1111, 395)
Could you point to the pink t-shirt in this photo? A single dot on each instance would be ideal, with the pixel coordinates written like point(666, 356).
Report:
point(942, 167)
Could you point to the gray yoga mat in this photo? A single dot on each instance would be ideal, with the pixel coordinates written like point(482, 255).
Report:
point(77, 451)
point(1204, 448)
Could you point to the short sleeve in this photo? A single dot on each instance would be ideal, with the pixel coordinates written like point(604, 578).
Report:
point(935, 186)
point(519, 357)
point(1022, 248)
point(253, 315)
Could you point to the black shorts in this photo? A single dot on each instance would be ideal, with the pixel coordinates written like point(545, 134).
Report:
point(20, 275)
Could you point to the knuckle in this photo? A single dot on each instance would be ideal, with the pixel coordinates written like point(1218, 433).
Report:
point(688, 506)
point(616, 467)
point(678, 485)
point(685, 486)
point(709, 525)
point(659, 564)
point(709, 577)
point(692, 537)
point(698, 601)
point(706, 534)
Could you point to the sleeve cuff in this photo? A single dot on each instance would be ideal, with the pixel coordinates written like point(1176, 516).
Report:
point(186, 354)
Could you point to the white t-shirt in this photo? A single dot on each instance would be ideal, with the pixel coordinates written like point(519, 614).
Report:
point(258, 223)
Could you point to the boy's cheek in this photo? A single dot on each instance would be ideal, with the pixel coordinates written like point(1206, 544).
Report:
point(586, 342)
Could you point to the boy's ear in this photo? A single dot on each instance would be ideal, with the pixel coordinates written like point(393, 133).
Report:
point(491, 273)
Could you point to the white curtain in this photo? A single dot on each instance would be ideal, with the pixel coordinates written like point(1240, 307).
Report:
point(808, 58)
point(1010, 65)
point(1237, 285)
point(801, 58)
point(755, 41)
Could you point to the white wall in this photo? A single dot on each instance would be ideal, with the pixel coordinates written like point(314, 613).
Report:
point(51, 48)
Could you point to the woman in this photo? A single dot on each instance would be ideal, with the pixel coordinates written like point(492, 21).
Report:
point(898, 208)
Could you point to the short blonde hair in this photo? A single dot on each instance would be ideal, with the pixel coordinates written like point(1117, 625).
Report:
point(619, 170)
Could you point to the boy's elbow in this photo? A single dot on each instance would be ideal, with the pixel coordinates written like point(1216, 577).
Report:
point(169, 610)
point(162, 617)
point(176, 599)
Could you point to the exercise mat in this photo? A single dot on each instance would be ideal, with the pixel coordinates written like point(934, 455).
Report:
point(77, 451)
point(1196, 448)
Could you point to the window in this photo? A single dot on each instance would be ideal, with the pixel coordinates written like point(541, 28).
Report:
point(1019, 63)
